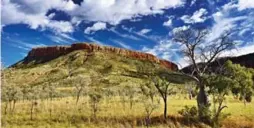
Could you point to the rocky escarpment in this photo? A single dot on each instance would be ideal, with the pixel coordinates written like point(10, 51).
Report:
point(42, 54)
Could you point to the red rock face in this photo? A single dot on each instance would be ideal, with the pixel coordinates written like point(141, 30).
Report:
point(53, 52)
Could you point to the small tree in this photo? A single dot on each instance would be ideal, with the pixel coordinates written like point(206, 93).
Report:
point(108, 93)
point(33, 96)
point(122, 94)
point(163, 87)
point(147, 98)
point(24, 90)
point(149, 107)
point(149, 90)
point(243, 77)
point(219, 87)
point(95, 98)
point(130, 93)
point(81, 83)
point(51, 92)
point(11, 94)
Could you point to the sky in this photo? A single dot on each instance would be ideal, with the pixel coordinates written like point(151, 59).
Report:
point(141, 25)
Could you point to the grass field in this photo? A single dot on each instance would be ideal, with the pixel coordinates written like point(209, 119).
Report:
point(114, 113)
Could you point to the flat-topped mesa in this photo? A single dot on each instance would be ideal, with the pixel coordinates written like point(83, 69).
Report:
point(48, 53)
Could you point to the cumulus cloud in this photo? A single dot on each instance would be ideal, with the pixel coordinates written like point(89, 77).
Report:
point(33, 13)
point(97, 26)
point(181, 28)
point(114, 11)
point(197, 17)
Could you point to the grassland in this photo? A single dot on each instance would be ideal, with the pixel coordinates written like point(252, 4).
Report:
point(111, 72)
point(114, 113)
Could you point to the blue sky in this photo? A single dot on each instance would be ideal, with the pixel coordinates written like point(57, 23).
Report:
point(142, 25)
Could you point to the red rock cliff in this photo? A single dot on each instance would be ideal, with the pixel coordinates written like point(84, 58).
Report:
point(55, 51)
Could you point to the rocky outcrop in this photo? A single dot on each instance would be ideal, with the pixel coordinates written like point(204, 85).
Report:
point(48, 53)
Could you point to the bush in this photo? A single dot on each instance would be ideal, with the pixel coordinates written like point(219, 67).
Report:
point(248, 97)
point(189, 113)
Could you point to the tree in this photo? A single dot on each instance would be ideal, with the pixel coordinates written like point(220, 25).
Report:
point(130, 93)
point(95, 98)
point(243, 77)
point(163, 87)
point(197, 48)
point(149, 107)
point(219, 86)
point(50, 90)
point(24, 90)
point(11, 94)
point(148, 96)
point(33, 96)
point(81, 83)
point(108, 93)
point(149, 90)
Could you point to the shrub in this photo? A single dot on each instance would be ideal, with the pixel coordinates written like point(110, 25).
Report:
point(189, 113)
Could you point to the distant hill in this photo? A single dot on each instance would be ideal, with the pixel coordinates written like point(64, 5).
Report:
point(244, 60)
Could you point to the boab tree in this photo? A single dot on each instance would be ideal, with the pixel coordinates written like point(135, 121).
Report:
point(201, 52)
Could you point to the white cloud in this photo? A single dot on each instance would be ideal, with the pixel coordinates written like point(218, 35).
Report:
point(197, 17)
point(240, 51)
point(122, 44)
point(145, 31)
point(245, 4)
point(181, 28)
point(60, 26)
point(58, 39)
point(124, 35)
point(243, 31)
point(223, 22)
point(97, 26)
point(33, 13)
point(193, 2)
point(169, 22)
point(114, 11)
point(50, 16)
point(164, 49)
point(96, 41)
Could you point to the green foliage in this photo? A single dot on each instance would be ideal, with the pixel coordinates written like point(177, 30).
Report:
point(242, 77)
point(189, 113)
point(94, 100)
point(148, 89)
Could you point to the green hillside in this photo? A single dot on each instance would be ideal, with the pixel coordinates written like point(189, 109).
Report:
point(39, 93)
point(106, 70)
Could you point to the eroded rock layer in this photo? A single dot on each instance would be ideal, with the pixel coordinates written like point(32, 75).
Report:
point(47, 53)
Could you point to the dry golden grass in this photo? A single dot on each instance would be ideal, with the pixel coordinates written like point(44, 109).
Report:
point(113, 114)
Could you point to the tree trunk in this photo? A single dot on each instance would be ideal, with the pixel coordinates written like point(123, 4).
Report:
point(31, 111)
point(14, 103)
point(77, 99)
point(203, 104)
point(165, 107)
point(6, 107)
